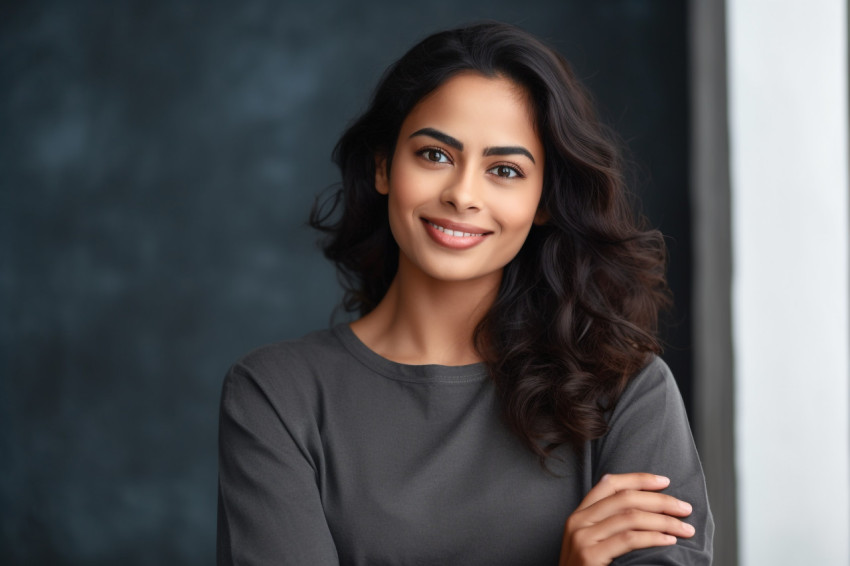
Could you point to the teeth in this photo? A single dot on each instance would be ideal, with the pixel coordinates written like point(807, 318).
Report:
point(454, 233)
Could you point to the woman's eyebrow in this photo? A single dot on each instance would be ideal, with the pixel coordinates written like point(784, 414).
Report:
point(440, 136)
point(458, 145)
point(510, 150)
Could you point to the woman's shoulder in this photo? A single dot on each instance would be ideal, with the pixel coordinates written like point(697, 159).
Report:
point(648, 429)
point(650, 393)
point(278, 393)
point(292, 367)
point(655, 375)
point(315, 346)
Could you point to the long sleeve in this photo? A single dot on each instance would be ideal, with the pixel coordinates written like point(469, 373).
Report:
point(650, 433)
point(269, 505)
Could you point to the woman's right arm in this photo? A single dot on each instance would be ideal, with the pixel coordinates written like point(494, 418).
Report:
point(620, 514)
point(269, 506)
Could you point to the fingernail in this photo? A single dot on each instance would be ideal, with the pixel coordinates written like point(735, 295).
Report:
point(662, 479)
point(671, 539)
point(685, 506)
point(689, 528)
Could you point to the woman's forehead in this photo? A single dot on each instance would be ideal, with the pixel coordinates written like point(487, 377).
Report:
point(489, 110)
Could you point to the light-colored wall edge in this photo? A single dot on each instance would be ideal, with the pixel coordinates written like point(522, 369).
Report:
point(713, 355)
point(788, 109)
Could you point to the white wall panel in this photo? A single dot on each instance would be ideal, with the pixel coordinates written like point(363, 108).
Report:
point(788, 137)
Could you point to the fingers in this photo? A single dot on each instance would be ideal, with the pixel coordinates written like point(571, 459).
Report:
point(635, 500)
point(637, 520)
point(607, 550)
point(614, 483)
point(618, 534)
point(602, 543)
point(623, 512)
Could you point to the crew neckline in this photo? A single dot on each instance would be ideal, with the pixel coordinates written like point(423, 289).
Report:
point(425, 373)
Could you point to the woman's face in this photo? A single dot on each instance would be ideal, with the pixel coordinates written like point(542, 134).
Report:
point(466, 179)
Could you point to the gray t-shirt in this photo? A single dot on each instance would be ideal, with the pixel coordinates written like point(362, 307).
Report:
point(331, 454)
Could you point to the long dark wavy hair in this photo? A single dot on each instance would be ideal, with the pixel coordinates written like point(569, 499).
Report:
point(577, 310)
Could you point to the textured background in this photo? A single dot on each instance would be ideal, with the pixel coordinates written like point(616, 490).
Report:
point(158, 161)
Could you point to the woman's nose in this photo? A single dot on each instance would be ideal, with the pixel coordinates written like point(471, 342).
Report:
point(463, 192)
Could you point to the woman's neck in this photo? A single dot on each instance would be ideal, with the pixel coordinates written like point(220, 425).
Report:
point(422, 320)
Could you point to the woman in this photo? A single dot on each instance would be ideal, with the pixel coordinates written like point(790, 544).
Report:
point(499, 400)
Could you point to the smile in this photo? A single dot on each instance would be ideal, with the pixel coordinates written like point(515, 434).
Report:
point(454, 236)
point(455, 233)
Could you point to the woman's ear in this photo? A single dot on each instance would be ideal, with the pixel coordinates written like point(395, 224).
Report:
point(382, 183)
point(541, 217)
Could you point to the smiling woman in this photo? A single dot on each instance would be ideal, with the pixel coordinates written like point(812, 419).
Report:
point(452, 188)
point(500, 399)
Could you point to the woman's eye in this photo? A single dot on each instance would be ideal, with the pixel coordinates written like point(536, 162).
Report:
point(435, 155)
point(505, 171)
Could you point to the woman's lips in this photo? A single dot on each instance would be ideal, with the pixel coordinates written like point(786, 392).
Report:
point(454, 235)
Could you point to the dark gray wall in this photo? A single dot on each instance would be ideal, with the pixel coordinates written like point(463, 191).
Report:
point(713, 360)
point(157, 161)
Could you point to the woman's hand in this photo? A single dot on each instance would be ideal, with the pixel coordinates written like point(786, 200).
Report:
point(620, 514)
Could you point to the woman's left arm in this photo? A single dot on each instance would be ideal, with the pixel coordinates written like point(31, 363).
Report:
point(649, 432)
